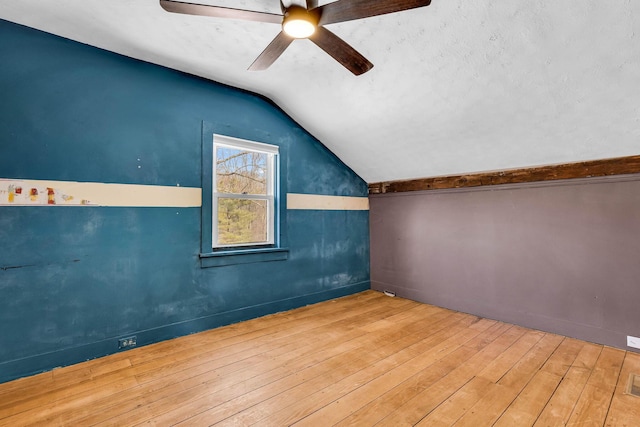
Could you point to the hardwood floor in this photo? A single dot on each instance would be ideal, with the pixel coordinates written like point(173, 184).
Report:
point(365, 359)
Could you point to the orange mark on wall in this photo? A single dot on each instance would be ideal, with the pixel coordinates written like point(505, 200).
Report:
point(51, 196)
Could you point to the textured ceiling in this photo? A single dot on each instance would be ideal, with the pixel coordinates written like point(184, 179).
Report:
point(457, 87)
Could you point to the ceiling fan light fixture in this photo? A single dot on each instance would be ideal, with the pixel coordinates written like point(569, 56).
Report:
point(299, 23)
point(299, 28)
point(305, 19)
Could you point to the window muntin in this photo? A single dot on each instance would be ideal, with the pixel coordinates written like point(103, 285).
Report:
point(244, 191)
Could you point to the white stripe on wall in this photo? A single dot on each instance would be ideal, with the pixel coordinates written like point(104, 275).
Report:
point(27, 192)
point(30, 192)
point(322, 202)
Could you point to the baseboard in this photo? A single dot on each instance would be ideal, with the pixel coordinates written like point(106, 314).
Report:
point(32, 365)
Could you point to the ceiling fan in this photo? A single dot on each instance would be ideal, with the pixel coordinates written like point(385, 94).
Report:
point(300, 22)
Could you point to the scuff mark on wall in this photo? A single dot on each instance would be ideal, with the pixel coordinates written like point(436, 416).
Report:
point(12, 267)
point(15, 267)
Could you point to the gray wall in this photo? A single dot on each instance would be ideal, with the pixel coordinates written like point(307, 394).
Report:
point(562, 257)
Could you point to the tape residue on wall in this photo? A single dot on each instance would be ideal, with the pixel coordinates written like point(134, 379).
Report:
point(18, 192)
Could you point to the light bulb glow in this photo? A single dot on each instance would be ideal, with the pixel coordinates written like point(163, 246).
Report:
point(298, 28)
point(299, 23)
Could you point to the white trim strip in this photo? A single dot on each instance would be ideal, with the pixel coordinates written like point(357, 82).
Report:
point(244, 144)
point(322, 202)
point(19, 192)
point(28, 192)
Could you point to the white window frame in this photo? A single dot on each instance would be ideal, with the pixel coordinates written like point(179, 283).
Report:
point(272, 152)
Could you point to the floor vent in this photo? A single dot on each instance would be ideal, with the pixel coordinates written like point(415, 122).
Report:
point(634, 385)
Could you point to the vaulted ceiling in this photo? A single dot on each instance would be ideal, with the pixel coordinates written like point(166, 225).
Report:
point(457, 87)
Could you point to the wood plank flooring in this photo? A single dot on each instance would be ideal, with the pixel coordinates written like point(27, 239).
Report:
point(362, 360)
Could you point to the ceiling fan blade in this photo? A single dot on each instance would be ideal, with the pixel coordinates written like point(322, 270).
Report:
point(341, 51)
point(272, 52)
point(347, 10)
point(219, 12)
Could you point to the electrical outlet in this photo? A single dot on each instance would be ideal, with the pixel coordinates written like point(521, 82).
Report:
point(127, 342)
point(633, 341)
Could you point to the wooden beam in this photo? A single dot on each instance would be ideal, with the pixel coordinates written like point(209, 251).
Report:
point(593, 168)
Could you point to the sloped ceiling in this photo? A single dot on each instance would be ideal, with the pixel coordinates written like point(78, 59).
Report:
point(457, 87)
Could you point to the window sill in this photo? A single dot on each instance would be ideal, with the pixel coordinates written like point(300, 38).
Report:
point(242, 256)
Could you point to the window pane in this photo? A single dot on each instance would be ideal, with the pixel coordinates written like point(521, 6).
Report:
point(241, 221)
point(241, 171)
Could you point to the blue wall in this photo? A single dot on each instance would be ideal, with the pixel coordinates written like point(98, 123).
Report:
point(75, 279)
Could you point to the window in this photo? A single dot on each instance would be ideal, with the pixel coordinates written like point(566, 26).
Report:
point(244, 190)
point(243, 219)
